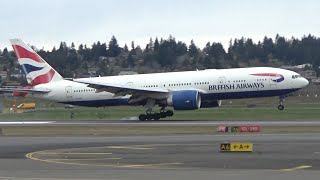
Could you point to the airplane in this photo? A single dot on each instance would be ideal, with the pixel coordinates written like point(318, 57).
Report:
point(188, 90)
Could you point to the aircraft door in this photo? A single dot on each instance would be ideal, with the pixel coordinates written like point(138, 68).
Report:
point(222, 80)
point(69, 93)
point(273, 82)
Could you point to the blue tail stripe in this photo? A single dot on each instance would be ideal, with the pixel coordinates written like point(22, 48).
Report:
point(29, 68)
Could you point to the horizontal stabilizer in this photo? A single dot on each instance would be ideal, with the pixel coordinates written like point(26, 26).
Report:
point(41, 91)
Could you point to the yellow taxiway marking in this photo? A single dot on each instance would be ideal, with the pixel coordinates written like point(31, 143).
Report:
point(129, 147)
point(31, 156)
point(149, 165)
point(296, 168)
point(76, 153)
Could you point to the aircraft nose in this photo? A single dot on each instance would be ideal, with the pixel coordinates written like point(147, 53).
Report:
point(304, 82)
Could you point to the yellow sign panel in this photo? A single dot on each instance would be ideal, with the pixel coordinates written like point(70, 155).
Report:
point(236, 147)
point(241, 147)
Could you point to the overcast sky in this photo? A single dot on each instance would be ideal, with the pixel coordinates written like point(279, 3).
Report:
point(45, 23)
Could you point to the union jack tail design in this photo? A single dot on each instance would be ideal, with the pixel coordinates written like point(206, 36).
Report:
point(37, 70)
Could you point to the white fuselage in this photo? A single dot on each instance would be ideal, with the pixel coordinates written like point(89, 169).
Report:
point(212, 84)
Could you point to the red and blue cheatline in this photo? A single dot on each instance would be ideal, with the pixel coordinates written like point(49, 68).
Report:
point(279, 77)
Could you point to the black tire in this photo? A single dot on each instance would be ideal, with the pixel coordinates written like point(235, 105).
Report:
point(163, 114)
point(142, 117)
point(169, 113)
point(150, 117)
point(281, 107)
point(157, 116)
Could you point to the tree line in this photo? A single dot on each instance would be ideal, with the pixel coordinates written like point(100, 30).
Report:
point(161, 55)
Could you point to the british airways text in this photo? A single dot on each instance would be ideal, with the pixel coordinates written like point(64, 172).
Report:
point(236, 86)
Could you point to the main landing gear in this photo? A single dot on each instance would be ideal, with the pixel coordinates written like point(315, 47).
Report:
point(155, 116)
point(281, 106)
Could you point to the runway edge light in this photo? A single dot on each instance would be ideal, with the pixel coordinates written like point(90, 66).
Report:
point(236, 147)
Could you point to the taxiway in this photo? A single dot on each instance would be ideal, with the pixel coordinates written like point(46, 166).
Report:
point(275, 156)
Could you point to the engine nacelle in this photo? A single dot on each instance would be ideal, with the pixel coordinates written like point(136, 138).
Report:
point(185, 100)
point(211, 103)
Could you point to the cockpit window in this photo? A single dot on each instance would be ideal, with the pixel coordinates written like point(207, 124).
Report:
point(296, 76)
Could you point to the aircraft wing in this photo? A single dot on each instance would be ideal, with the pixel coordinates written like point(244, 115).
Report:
point(118, 89)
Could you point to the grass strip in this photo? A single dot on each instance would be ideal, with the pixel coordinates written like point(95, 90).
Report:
point(136, 130)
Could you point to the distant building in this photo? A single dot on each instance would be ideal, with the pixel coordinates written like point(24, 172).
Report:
point(92, 71)
point(17, 75)
point(103, 58)
point(12, 84)
point(308, 74)
point(316, 81)
point(3, 75)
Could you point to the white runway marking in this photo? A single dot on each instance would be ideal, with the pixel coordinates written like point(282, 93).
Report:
point(195, 123)
point(24, 122)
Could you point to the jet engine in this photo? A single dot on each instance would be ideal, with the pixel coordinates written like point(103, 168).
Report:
point(185, 100)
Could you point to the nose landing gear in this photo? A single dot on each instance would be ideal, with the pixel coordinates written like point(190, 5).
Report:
point(281, 106)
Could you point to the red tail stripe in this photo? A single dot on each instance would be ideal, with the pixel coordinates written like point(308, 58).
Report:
point(23, 53)
point(45, 78)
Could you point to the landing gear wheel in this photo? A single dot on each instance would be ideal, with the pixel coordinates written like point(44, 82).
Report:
point(150, 116)
point(281, 107)
point(142, 117)
point(169, 113)
point(157, 116)
point(163, 114)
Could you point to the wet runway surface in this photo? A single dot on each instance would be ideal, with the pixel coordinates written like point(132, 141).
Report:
point(275, 156)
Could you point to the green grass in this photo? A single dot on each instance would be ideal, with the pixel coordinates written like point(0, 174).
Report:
point(292, 112)
point(136, 130)
point(297, 108)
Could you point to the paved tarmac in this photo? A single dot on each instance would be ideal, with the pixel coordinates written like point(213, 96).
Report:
point(275, 156)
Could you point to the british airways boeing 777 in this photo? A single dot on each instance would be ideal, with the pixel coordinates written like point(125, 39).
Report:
point(187, 90)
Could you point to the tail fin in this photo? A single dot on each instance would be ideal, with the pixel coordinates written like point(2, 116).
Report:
point(37, 70)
